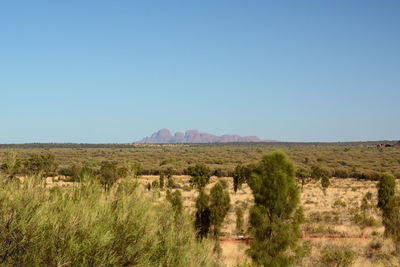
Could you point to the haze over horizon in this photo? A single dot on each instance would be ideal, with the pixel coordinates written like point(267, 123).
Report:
point(115, 72)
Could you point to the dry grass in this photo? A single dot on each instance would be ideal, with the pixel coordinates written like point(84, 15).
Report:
point(322, 219)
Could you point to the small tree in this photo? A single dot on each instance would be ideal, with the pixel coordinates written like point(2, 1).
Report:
point(170, 182)
point(386, 190)
point(176, 201)
point(317, 172)
point(392, 221)
point(325, 183)
point(77, 173)
point(11, 165)
point(41, 164)
point(155, 184)
point(303, 174)
point(108, 174)
point(161, 183)
point(239, 220)
point(240, 175)
point(219, 173)
point(366, 204)
point(199, 175)
point(386, 194)
point(170, 179)
point(275, 217)
point(202, 216)
point(219, 207)
point(137, 169)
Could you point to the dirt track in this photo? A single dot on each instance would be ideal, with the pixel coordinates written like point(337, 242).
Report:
point(247, 240)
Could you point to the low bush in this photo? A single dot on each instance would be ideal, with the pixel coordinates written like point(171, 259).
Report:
point(87, 226)
point(337, 256)
point(341, 173)
point(365, 221)
point(43, 164)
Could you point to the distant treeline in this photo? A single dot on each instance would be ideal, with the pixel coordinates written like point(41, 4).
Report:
point(238, 144)
point(363, 160)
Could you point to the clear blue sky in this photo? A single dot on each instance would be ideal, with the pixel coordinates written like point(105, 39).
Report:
point(116, 71)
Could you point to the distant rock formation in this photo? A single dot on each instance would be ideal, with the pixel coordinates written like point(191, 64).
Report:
point(194, 136)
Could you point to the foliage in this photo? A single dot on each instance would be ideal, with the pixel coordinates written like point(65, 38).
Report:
point(88, 226)
point(275, 216)
point(386, 191)
point(161, 181)
point(364, 220)
point(392, 221)
point(41, 164)
point(109, 174)
point(171, 182)
point(325, 183)
point(76, 173)
point(11, 165)
point(239, 220)
point(240, 176)
point(219, 207)
point(137, 169)
point(155, 184)
point(199, 175)
point(335, 256)
point(362, 161)
point(202, 217)
point(339, 204)
point(176, 201)
point(218, 173)
point(366, 204)
point(170, 179)
point(318, 172)
point(303, 174)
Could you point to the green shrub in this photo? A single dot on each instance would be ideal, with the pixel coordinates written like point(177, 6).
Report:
point(155, 184)
point(199, 175)
point(325, 183)
point(108, 174)
point(337, 256)
point(76, 173)
point(219, 173)
point(318, 172)
point(240, 176)
point(339, 204)
point(186, 188)
point(41, 164)
point(239, 220)
point(341, 173)
point(87, 226)
point(176, 201)
point(365, 221)
point(11, 165)
point(303, 174)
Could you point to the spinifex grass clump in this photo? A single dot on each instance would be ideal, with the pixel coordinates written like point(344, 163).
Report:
point(88, 226)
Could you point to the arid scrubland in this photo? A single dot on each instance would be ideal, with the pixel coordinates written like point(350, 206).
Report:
point(342, 225)
point(333, 219)
point(346, 160)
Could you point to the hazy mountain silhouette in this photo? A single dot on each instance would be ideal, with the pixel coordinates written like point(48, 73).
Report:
point(194, 136)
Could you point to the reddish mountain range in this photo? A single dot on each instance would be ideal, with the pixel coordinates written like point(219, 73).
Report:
point(194, 136)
